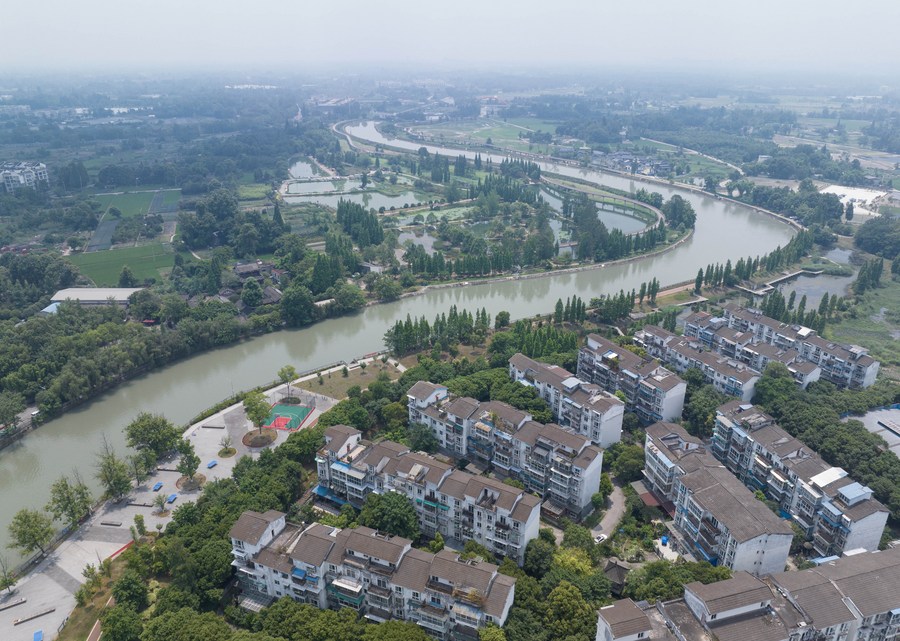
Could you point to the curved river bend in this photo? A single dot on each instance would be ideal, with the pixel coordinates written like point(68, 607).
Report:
point(28, 467)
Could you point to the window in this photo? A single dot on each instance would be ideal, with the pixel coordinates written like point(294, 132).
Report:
point(398, 590)
point(416, 596)
point(712, 617)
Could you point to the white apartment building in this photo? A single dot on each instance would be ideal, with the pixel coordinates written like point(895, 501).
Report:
point(651, 391)
point(459, 505)
point(838, 514)
point(16, 175)
point(382, 577)
point(585, 408)
point(718, 518)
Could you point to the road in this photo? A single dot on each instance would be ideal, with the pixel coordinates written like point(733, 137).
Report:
point(613, 514)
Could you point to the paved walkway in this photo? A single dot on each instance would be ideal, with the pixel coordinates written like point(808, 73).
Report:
point(613, 514)
point(53, 583)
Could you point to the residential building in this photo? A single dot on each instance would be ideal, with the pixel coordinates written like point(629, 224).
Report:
point(623, 621)
point(585, 408)
point(669, 453)
point(843, 365)
point(849, 599)
point(562, 464)
point(716, 517)
point(726, 374)
point(459, 505)
point(651, 391)
point(838, 514)
point(722, 521)
point(380, 576)
point(16, 175)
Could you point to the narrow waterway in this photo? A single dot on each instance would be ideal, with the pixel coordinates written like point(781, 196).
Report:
point(724, 231)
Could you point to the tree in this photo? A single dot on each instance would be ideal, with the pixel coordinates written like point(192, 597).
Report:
point(7, 578)
point(698, 282)
point(501, 320)
point(131, 591)
point(127, 277)
point(70, 501)
point(394, 631)
point(153, 432)
point(422, 438)
point(606, 486)
point(251, 293)
point(568, 614)
point(257, 408)
point(538, 557)
point(159, 502)
point(491, 633)
point(437, 543)
point(287, 374)
point(30, 530)
point(629, 464)
point(112, 472)
point(297, 306)
point(11, 404)
point(121, 623)
point(189, 461)
point(390, 512)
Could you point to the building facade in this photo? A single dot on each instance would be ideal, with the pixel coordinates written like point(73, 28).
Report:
point(717, 518)
point(585, 408)
point(651, 391)
point(382, 577)
point(837, 514)
point(16, 175)
point(459, 505)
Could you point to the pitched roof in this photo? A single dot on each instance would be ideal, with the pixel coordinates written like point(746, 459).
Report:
point(624, 618)
point(423, 389)
point(251, 525)
point(741, 590)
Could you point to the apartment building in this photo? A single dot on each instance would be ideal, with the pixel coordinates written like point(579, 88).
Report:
point(459, 505)
point(16, 175)
point(651, 391)
point(716, 517)
point(838, 514)
point(561, 464)
point(849, 599)
point(843, 365)
point(726, 374)
point(585, 408)
point(382, 577)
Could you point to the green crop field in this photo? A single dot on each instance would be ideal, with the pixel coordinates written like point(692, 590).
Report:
point(171, 197)
point(130, 204)
point(146, 261)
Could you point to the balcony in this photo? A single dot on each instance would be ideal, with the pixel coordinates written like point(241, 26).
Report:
point(439, 586)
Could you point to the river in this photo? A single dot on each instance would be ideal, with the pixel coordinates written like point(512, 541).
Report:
point(180, 391)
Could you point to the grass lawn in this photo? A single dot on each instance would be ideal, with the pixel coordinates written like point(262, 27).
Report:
point(253, 192)
point(171, 197)
point(145, 261)
point(130, 204)
point(877, 324)
point(82, 618)
point(336, 385)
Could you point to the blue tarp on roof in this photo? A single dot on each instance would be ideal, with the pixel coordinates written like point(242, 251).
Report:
point(327, 494)
point(300, 574)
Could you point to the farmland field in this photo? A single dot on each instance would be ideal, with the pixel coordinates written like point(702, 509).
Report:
point(146, 261)
point(129, 203)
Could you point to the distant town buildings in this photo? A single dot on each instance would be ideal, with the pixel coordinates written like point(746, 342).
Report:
point(16, 175)
point(651, 391)
point(381, 577)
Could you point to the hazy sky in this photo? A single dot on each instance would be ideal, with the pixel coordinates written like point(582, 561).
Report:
point(823, 35)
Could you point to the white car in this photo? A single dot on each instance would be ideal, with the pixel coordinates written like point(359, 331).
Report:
point(600, 538)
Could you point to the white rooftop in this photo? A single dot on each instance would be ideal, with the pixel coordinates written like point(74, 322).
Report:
point(97, 294)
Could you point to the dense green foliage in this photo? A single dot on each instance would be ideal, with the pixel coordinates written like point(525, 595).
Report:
point(814, 416)
point(880, 236)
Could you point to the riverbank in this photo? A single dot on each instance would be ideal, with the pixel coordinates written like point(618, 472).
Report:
point(545, 274)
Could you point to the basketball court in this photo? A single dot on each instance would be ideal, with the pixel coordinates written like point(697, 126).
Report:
point(287, 417)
